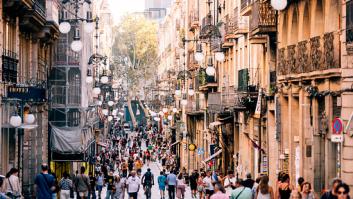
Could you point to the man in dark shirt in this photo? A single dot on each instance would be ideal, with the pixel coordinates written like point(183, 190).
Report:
point(44, 183)
point(193, 183)
point(249, 182)
point(330, 194)
point(92, 183)
point(110, 181)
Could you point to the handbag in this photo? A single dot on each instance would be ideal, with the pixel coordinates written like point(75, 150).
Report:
point(12, 194)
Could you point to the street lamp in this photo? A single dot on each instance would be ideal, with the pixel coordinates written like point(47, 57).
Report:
point(175, 110)
point(210, 70)
point(89, 77)
point(279, 4)
point(76, 45)
point(191, 91)
point(184, 101)
point(96, 89)
point(15, 120)
point(170, 117)
point(199, 55)
point(104, 79)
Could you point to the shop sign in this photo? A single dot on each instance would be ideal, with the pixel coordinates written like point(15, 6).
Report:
point(200, 151)
point(192, 147)
point(27, 93)
point(337, 130)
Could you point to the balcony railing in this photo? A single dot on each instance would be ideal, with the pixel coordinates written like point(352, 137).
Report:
point(349, 23)
point(229, 24)
point(263, 18)
point(9, 66)
point(315, 54)
point(218, 101)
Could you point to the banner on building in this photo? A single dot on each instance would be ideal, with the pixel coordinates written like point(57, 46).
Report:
point(257, 113)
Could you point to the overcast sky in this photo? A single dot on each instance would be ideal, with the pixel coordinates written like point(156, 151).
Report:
point(121, 7)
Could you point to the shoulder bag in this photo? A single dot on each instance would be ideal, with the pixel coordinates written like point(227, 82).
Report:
point(52, 188)
point(13, 194)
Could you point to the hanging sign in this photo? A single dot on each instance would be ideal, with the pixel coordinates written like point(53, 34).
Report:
point(192, 147)
point(200, 151)
point(337, 130)
point(257, 113)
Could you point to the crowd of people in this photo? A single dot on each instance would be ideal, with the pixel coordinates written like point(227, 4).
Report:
point(118, 171)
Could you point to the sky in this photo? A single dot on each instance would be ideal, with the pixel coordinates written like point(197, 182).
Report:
point(121, 7)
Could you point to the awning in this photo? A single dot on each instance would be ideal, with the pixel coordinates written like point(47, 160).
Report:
point(174, 143)
point(212, 156)
point(72, 140)
point(214, 124)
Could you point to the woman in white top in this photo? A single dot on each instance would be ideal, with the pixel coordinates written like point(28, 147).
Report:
point(264, 191)
point(180, 194)
point(11, 186)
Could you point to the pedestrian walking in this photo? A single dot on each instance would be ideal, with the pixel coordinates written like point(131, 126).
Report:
point(11, 185)
point(220, 192)
point(65, 186)
point(193, 183)
point(180, 185)
point(200, 187)
point(306, 191)
point(248, 182)
point(241, 192)
point(342, 191)
point(171, 181)
point(300, 184)
point(82, 184)
point(44, 183)
point(119, 188)
point(330, 194)
point(207, 183)
point(100, 183)
point(110, 185)
point(133, 185)
point(229, 182)
point(92, 183)
point(264, 190)
point(285, 188)
point(161, 184)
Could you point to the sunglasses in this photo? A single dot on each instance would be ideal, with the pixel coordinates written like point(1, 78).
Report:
point(341, 192)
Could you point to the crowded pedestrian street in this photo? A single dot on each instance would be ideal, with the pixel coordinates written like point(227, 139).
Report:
point(176, 99)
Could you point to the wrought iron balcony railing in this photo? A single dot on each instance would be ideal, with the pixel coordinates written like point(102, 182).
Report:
point(315, 54)
point(244, 4)
point(9, 66)
point(263, 18)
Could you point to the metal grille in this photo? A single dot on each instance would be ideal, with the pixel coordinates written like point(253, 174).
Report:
point(243, 79)
point(9, 66)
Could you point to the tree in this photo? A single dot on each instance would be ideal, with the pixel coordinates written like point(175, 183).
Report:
point(135, 54)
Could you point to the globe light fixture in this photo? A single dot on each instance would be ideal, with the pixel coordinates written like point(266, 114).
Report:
point(96, 90)
point(170, 117)
point(29, 118)
point(279, 4)
point(110, 103)
point(99, 103)
point(105, 111)
point(191, 91)
point(184, 102)
point(64, 27)
point(15, 121)
point(110, 118)
point(165, 110)
point(114, 112)
point(177, 92)
point(89, 77)
point(157, 119)
point(88, 26)
point(219, 56)
point(199, 55)
point(161, 113)
point(175, 110)
point(76, 45)
point(210, 70)
point(104, 79)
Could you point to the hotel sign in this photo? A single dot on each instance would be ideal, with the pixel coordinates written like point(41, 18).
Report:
point(27, 93)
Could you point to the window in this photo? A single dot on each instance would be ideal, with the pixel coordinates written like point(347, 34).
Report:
point(9, 55)
point(243, 79)
point(349, 22)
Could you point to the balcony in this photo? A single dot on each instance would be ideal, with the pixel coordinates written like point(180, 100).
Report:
point(349, 27)
point(246, 7)
point(316, 56)
point(206, 82)
point(219, 101)
point(263, 18)
point(9, 66)
point(34, 18)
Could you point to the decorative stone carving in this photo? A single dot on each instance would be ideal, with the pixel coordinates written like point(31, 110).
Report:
point(329, 51)
point(302, 57)
point(291, 59)
point(315, 53)
point(282, 68)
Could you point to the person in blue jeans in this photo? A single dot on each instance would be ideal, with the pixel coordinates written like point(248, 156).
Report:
point(161, 183)
point(171, 180)
point(100, 183)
